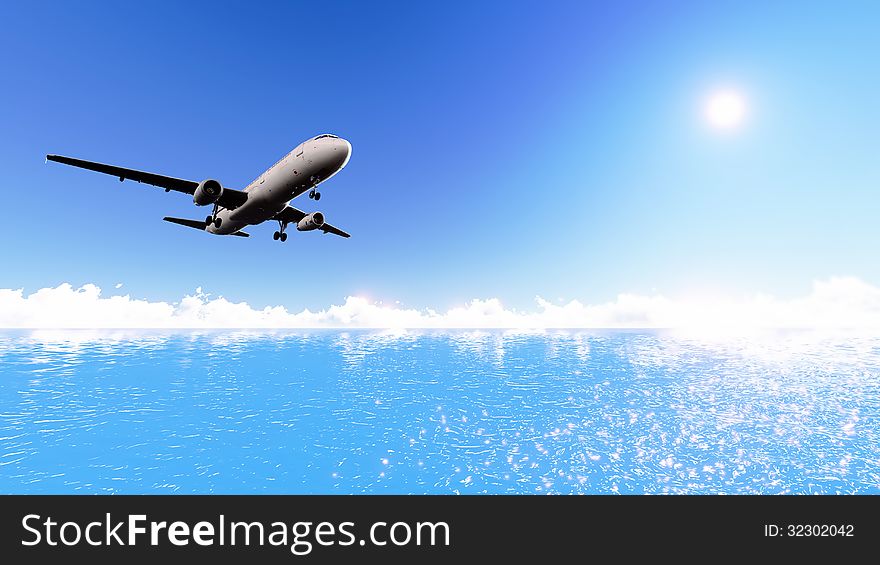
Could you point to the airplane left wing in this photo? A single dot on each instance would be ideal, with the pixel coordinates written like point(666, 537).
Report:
point(230, 198)
point(291, 215)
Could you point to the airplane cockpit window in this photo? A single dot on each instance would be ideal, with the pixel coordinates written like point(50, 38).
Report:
point(327, 135)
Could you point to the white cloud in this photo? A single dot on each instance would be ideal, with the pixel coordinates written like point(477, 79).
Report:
point(837, 303)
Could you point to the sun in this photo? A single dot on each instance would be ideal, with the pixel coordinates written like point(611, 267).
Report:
point(726, 109)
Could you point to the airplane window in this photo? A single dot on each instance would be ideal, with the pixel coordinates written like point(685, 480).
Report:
point(327, 135)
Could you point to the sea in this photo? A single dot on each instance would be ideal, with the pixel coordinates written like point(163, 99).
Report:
point(440, 412)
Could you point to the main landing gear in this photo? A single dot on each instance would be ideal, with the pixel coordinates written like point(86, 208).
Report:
point(213, 219)
point(280, 235)
point(314, 194)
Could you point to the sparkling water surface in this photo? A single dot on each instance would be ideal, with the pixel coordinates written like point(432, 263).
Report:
point(437, 412)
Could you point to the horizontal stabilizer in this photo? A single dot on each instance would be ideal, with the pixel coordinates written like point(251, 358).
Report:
point(199, 225)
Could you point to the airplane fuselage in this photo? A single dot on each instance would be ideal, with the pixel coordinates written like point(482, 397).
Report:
point(311, 163)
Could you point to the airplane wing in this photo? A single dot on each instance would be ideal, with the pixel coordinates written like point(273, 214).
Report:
point(230, 198)
point(327, 228)
point(197, 224)
point(291, 215)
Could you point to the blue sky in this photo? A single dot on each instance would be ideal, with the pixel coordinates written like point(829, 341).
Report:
point(499, 149)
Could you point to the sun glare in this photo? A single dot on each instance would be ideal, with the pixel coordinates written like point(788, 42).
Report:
point(725, 109)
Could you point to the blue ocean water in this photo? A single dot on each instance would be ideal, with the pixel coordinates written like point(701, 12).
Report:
point(437, 412)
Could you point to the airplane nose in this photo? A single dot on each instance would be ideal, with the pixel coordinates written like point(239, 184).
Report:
point(344, 150)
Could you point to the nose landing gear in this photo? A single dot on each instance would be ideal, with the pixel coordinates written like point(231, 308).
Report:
point(314, 194)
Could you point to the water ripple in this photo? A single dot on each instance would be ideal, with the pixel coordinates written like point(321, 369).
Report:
point(438, 412)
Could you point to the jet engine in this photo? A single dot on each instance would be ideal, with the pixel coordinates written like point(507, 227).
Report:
point(208, 192)
point(310, 222)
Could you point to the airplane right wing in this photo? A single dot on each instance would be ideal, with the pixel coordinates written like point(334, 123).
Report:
point(230, 198)
point(327, 228)
point(291, 215)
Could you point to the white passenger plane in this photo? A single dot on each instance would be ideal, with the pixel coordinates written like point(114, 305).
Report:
point(302, 170)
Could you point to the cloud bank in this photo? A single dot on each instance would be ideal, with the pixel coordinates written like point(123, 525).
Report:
point(836, 303)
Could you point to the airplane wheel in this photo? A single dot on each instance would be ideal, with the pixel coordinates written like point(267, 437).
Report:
point(208, 220)
point(283, 237)
point(317, 196)
point(311, 194)
point(275, 236)
point(217, 222)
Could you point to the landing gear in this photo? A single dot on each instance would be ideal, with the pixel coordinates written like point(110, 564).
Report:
point(314, 194)
point(213, 219)
point(280, 235)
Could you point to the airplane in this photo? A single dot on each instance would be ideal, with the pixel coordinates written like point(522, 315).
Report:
point(266, 198)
